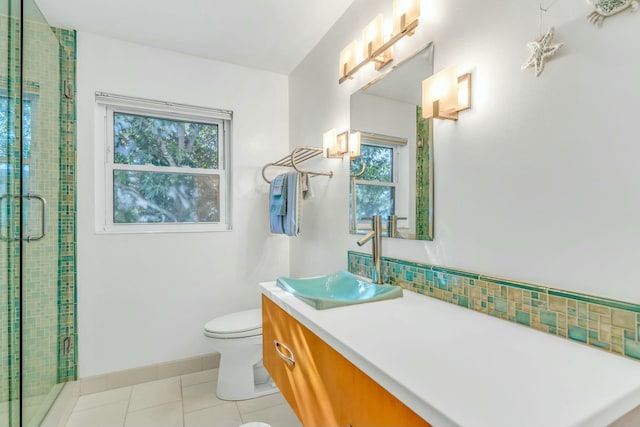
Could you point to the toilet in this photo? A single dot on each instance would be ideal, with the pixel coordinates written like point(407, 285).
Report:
point(238, 339)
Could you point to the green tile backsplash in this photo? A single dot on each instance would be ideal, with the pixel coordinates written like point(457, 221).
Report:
point(604, 323)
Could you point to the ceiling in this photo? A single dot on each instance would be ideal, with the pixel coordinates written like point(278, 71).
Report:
point(272, 35)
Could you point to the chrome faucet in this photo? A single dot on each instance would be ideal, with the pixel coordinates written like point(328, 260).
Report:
point(376, 246)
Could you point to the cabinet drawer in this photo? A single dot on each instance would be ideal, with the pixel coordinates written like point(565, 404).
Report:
point(322, 387)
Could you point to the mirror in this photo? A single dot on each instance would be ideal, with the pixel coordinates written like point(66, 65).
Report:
point(393, 176)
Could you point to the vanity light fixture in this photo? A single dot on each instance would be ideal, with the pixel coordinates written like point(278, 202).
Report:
point(445, 94)
point(405, 15)
point(348, 59)
point(375, 46)
point(354, 145)
point(334, 145)
point(372, 39)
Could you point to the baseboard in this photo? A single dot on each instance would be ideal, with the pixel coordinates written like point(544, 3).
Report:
point(104, 382)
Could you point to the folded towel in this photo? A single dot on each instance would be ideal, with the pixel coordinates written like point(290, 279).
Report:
point(278, 203)
point(292, 220)
point(278, 195)
point(307, 193)
point(277, 185)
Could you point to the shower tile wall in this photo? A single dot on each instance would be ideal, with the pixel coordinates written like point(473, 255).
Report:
point(49, 264)
point(67, 328)
point(41, 76)
point(604, 323)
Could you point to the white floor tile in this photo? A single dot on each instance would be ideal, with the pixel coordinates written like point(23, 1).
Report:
point(168, 415)
point(199, 377)
point(224, 415)
point(103, 398)
point(276, 416)
point(154, 393)
point(200, 396)
point(111, 415)
point(183, 401)
point(252, 405)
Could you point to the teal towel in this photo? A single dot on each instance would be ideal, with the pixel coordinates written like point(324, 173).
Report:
point(278, 195)
point(278, 203)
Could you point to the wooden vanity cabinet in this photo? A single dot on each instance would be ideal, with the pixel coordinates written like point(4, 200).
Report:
point(323, 388)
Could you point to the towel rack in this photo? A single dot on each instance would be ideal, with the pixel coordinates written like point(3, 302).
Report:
point(298, 155)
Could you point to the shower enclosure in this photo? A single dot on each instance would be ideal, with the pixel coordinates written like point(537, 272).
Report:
point(37, 213)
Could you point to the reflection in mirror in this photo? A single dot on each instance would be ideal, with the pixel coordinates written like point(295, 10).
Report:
point(393, 176)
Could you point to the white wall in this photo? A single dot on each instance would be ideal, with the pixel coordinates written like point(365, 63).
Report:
point(143, 299)
point(537, 182)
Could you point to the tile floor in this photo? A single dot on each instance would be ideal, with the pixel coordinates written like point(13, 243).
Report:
point(184, 401)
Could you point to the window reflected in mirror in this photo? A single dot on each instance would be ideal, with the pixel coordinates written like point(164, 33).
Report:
point(393, 176)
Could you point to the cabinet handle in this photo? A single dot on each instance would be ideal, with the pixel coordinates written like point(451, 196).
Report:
point(288, 357)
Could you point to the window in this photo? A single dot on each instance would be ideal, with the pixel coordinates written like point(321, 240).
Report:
point(7, 143)
point(166, 167)
point(375, 188)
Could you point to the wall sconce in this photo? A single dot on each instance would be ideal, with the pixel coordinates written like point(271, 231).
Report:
point(334, 145)
point(405, 15)
point(445, 94)
point(372, 39)
point(348, 58)
point(354, 145)
point(375, 48)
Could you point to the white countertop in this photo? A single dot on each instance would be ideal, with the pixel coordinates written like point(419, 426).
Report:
point(457, 367)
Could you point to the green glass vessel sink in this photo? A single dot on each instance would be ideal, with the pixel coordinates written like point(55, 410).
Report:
point(337, 289)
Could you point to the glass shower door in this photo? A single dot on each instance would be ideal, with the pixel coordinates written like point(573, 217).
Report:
point(10, 90)
point(41, 95)
point(37, 213)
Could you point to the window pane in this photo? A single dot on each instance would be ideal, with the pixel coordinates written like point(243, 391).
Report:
point(374, 200)
point(152, 197)
point(7, 133)
point(142, 140)
point(379, 161)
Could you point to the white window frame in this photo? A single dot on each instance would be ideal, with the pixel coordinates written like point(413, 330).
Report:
point(106, 106)
point(394, 176)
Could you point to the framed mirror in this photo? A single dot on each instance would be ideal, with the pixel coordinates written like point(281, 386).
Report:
point(393, 176)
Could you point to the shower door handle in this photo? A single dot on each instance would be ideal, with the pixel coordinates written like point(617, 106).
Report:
point(43, 227)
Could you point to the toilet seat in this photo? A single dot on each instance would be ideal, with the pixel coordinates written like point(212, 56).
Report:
point(242, 324)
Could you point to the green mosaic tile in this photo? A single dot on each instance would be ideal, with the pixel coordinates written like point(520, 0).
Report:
point(596, 300)
point(623, 319)
point(599, 344)
point(632, 349)
point(553, 311)
point(517, 285)
point(523, 318)
point(548, 318)
point(538, 304)
point(577, 333)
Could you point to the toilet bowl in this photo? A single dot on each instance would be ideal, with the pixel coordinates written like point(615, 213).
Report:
point(238, 339)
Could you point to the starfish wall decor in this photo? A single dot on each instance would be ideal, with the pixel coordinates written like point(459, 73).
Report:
point(541, 48)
